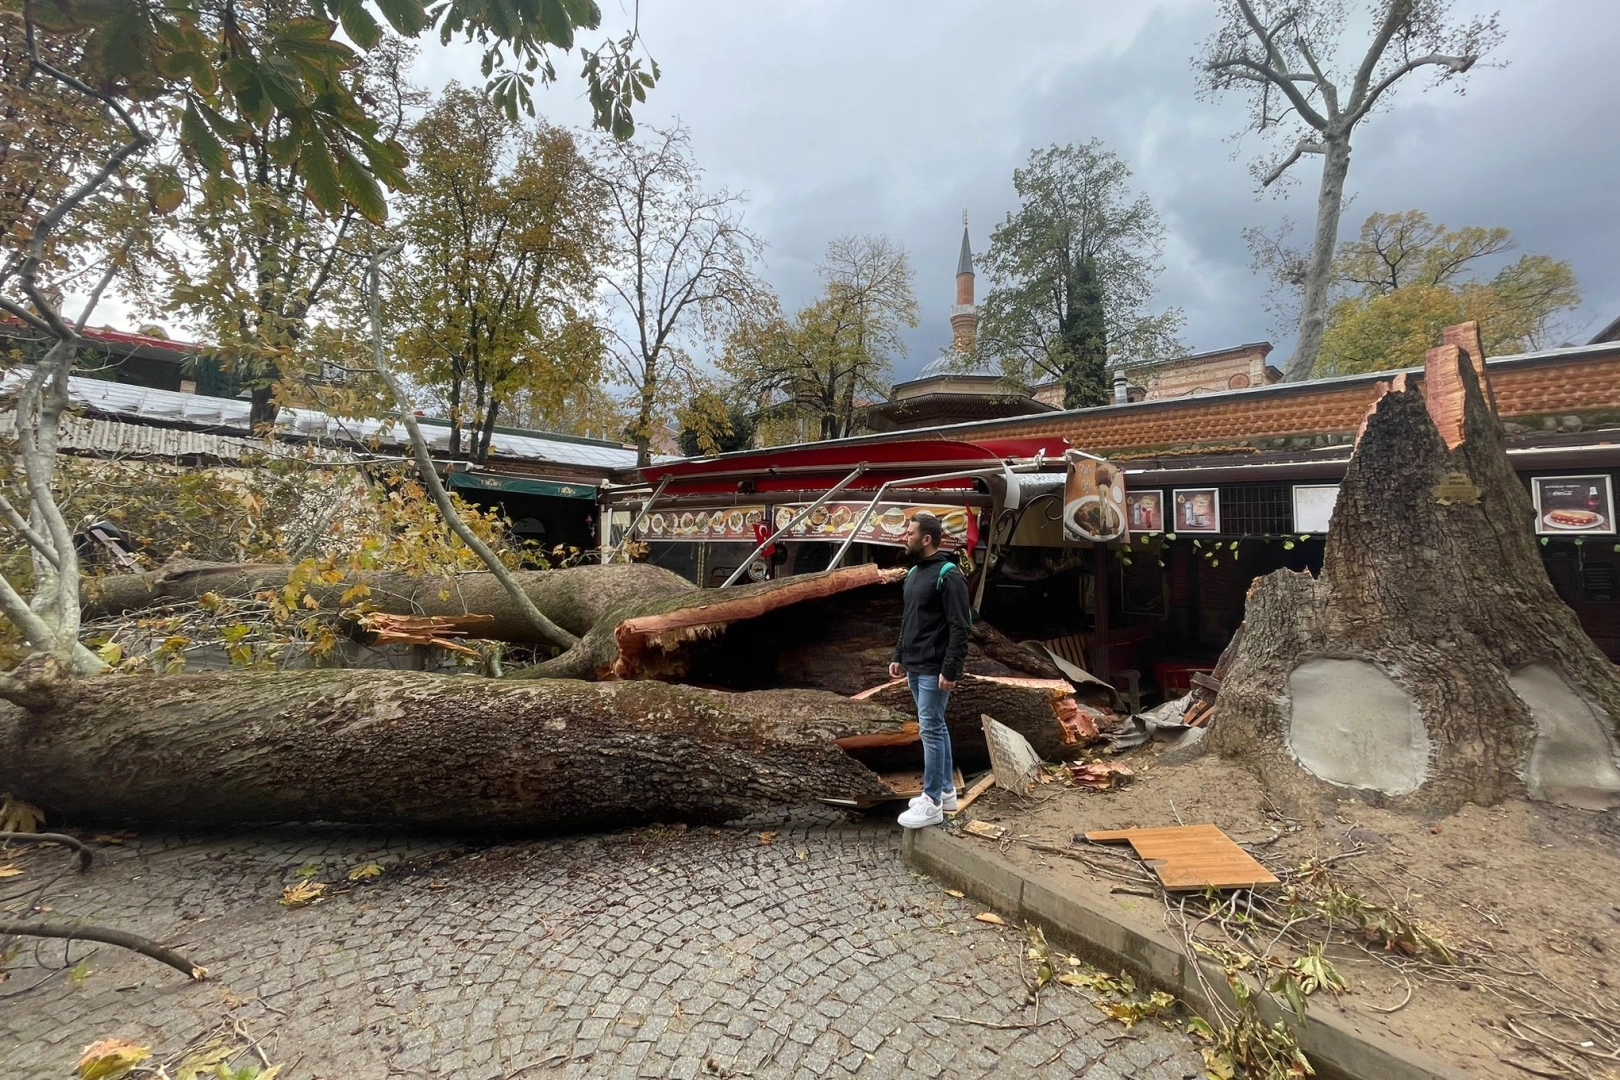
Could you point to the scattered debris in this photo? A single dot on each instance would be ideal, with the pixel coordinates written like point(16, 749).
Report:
point(985, 830)
point(1013, 761)
point(984, 785)
point(767, 838)
point(1191, 857)
point(1099, 775)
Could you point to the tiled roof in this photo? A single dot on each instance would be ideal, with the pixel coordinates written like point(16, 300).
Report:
point(230, 414)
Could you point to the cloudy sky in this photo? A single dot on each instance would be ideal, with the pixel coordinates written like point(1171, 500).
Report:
point(841, 116)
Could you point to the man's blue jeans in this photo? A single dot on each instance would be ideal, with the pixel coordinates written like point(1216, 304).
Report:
point(938, 770)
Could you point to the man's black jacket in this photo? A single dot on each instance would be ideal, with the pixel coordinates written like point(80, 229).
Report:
point(938, 615)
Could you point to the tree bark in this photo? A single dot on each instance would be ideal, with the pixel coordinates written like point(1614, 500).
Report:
point(1319, 271)
point(417, 749)
point(1041, 710)
point(1433, 599)
point(575, 599)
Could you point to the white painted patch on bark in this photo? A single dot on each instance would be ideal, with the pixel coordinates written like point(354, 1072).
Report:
point(1352, 725)
point(1572, 762)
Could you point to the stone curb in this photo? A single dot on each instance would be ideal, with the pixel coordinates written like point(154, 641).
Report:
point(1336, 1046)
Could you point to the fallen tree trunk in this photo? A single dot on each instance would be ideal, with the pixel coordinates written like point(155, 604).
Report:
point(1041, 710)
point(576, 599)
point(437, 751)
point(1431, 664)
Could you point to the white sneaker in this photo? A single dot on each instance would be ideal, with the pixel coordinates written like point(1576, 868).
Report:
point(947, 800)
point(922, 813)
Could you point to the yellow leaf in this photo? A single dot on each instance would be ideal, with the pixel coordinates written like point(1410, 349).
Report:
point(305, 892)
point(111, 653)
point(990, 917)
point(361, 873)
point(311, 603)
point(958, 893)
point(18, 816)
point(309, 869)
point(10, 870)
point(110, 1057)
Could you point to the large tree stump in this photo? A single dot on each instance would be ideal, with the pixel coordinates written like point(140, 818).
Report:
point(438, 751)
point(1431, 664)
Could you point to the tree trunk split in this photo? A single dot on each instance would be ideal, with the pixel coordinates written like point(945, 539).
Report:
point(1431, 664)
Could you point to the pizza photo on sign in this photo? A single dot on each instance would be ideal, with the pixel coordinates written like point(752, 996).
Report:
point(1573, 504)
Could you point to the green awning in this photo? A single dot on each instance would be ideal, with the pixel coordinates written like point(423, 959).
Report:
point(518, 485)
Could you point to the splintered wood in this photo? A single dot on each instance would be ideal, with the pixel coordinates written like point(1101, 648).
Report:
point(1191, 857)
point(385, 628)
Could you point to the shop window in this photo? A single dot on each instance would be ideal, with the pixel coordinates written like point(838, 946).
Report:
point(1257, 510)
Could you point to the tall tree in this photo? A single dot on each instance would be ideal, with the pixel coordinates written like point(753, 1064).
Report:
point(1072, 273)
point(1284, 53)
point(823, 364)
point(505, 233)
point(1405, 278)
point(251, 259)
point(199, 70)
point(680, 266)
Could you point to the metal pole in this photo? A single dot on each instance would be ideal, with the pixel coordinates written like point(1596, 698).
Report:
point(630, 532)
point(866, 514)
point(742, 567)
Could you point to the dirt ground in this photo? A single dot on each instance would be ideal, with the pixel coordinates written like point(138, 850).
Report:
point(1525, 894)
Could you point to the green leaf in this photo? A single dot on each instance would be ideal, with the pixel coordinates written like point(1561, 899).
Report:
point(359, 24)
point(320, 173)
point(556, 28)
point(409, 17)
point(1288, 545)
point(361, 188)
point(1169, 536)
point(196, 135)
point(1544, 540)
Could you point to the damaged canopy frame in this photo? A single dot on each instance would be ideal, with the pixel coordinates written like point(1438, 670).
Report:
point(743, 566)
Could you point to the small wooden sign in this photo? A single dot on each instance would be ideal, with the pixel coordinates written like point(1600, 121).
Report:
point(1456, 490)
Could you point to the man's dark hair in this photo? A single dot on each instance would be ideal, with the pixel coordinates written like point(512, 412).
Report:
point(929, 526)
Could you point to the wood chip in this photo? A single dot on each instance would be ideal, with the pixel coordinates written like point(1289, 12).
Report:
point(985, 830)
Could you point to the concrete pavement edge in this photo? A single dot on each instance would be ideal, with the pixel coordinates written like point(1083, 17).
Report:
point(1336, 1047)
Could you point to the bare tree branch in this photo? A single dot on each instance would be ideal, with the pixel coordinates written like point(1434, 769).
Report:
point(1303, 147)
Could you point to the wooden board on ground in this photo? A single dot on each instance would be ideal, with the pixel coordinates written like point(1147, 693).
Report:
point(1191, 857)
point(902, 785)
point(974, 792)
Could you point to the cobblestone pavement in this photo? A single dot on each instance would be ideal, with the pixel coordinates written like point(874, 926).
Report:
point(662, 952)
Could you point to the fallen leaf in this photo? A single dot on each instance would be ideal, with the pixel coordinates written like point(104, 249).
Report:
point(767, 837)
point(802, 854)
point(18, 816)
point(958, 893)
point(361, 873)
point(305, 892)
point(10, 870)
point(110, 1057)
point(990, 917)
point(309, 869)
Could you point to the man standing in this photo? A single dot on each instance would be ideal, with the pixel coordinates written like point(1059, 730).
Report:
point(931, 651)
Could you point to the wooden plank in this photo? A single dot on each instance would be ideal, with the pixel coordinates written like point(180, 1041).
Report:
point(974, 792)
point(1191, 857)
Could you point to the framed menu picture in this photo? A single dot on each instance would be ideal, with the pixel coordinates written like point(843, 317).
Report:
point(1197, 510)
point(1144, 511)
point(1313, 506)
point(1573, 504)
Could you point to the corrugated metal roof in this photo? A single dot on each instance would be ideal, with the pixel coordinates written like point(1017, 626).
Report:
point(195, 410)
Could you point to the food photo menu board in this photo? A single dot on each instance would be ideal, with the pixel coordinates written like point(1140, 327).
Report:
point(727, 523)
point(1198, 510)
point(1144, 511)
point(1573, 504)
point(885, 525)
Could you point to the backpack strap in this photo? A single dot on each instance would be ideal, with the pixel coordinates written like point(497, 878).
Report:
point(944, 568)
